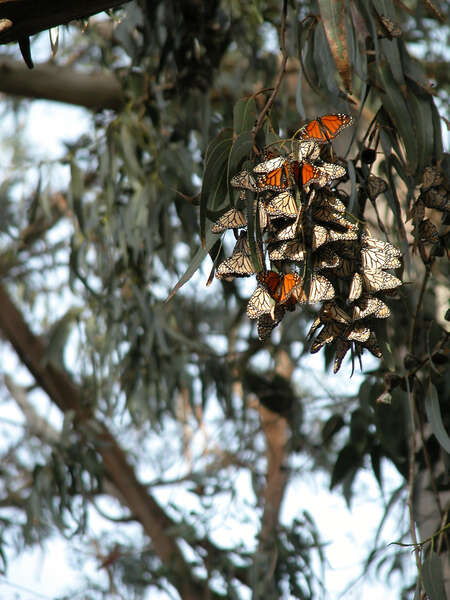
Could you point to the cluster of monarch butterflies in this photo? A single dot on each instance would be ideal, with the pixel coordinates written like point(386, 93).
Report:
point(434, 196)
point(316, 250)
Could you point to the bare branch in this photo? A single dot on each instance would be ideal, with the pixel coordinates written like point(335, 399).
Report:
point(22, 18)
point(61, 84)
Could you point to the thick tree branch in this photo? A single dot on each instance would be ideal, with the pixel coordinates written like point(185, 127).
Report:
point(22, 18)
point(67, 396)
point(50, 82)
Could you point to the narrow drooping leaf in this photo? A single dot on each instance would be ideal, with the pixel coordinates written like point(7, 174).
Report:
point(434, 416)
point(214, 186)
point(333, 14)
point(433, 578)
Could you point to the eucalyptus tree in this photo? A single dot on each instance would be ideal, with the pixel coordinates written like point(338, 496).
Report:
point(180, 428)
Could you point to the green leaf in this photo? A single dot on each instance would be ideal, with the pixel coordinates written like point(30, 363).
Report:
point(76, 192)
point(211, 239)
point(241, 149)
point(245, 113)
point(214, 187)
point(347, 461)
point(324, 64)
point(331, 427)
point(333, 14)
point(434, 416)
point(432, 577)
point(396, 107)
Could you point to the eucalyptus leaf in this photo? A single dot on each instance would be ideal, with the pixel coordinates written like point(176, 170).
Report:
point(434, 416)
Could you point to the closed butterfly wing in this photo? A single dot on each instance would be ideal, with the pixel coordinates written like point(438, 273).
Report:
point(331, 171)
point(432, 177)
point(244, 180)
point(375, 186)
point(285, 293)
point(287, 233)
point(260, 303)
point(428, 233)
point(325, 258)
point(316, 324)
point(270, 165)
point(329, 332)
point(355, 287)
point(282, 205)
point(319, 236)
point(376, 280)
point(232, 219)
point(376, 254)
point(239, 264)
point(331, 311)
point(372, 345)
point(307, 150)
point(342, 347)
point(267, 322)
point(346, 268)
point(368, 306)
point(320, 289)
point(308, 173)
point(358, 333)
point(290, 250)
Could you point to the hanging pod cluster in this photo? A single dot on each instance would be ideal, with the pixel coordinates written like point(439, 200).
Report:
point(316, 250)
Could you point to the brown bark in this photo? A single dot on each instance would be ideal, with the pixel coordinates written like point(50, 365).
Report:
point(61, 84)
point(22, 18)
point(65, 394)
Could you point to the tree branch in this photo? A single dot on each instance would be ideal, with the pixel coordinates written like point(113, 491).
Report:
point(61, 84)
point(22, 18)
point(67, 396)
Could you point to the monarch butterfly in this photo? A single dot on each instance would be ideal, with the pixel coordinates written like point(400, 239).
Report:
point(358, 333)
point(287, 233)
point(437, 198)
point(291, 250)
point(376, 254)
point(321, 236)
point(260, 302)
point(232, 219)
point(307, 150)
point(270, 165)
point(306, 173)
point(368, 305)
point(432, 177)
point(329, 332)
point(326, 214)
point(330, 311)
point(428, 233)
point(342, 347)
point(277, 179)
point(346, 268)
point(325, 128)
point(282, 205)
point(239, 264)
point(326, 259)
point(375, 186)
point(244, 180)
point(323, 199)
point(372, 345)
point(355, 287)
point(329, 172)
point(286, 292)
point(375, 280)
point(320, 289)
point(393, 29)
point(267, 322)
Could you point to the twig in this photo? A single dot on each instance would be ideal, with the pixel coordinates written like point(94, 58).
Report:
point(281, 73)
point(419, 304)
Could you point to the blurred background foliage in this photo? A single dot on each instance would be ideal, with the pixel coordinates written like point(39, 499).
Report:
point(187, 382)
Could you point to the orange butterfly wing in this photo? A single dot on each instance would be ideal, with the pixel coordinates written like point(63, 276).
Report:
point(325, 128)
point(309, 173)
